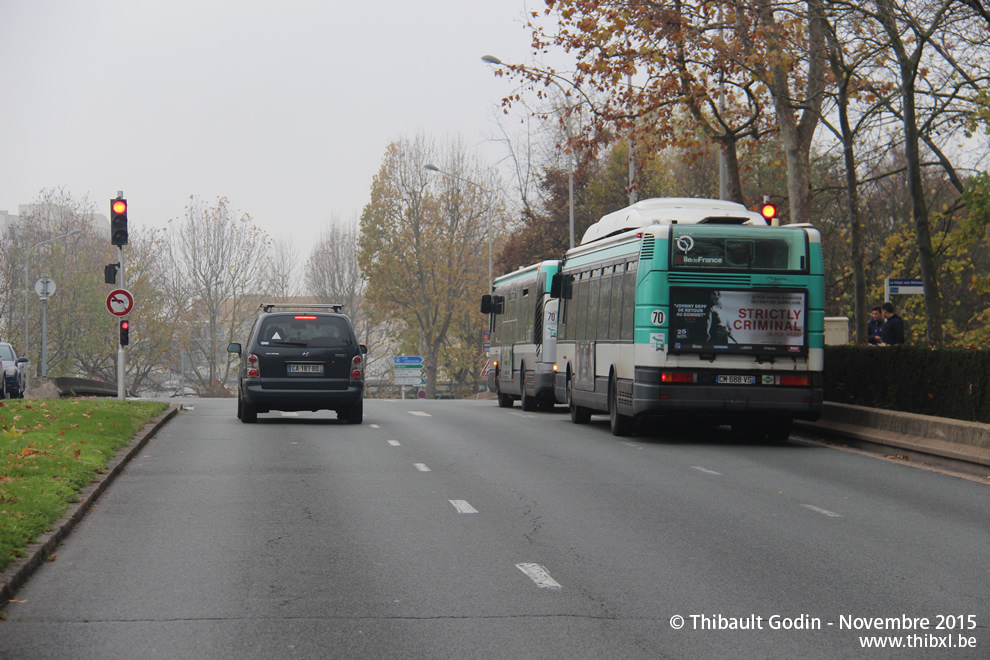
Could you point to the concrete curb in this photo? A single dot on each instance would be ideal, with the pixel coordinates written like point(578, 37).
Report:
point(20, 571)
point(936, 436)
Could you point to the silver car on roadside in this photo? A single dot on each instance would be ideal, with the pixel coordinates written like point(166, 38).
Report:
point(14, 379)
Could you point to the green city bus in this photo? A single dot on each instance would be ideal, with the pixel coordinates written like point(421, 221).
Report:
point(692, 309)
point(523, 324)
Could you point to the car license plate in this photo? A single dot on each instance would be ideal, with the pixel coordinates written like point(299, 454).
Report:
point(737, 380)
point(310, 369)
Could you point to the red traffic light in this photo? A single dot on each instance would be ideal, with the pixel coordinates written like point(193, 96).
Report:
point(769, 211)
point(119, 206)
point(125, 325)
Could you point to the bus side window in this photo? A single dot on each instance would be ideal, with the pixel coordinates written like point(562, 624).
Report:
point(593, 288)
point(581, 307)
point(605, 324)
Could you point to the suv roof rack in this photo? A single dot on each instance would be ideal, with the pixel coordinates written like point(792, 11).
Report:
point(335, 307)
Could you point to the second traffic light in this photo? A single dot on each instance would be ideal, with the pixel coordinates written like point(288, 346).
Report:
point(125, 331)
point(118, 221)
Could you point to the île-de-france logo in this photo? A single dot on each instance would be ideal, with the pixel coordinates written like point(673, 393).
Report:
point(684, 243)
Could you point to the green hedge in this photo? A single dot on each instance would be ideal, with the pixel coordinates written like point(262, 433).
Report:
point(945, 382)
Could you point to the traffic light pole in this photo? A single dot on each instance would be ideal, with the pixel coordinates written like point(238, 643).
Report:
point(121, 350)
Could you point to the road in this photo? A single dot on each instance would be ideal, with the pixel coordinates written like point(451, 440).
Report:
point(455, 529)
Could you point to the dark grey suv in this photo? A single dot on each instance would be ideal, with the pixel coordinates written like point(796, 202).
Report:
point(301, 357)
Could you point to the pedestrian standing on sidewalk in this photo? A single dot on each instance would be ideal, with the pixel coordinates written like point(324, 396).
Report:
point(892, 333)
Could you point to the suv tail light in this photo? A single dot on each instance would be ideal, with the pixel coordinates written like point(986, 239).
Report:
point(253, 369)
point(357, 368)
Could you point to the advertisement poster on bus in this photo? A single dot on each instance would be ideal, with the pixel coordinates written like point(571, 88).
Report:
point(706, 320)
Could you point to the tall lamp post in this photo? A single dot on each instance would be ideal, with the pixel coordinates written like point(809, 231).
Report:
point(433, 168)
point(491, 59)
point(27, 260)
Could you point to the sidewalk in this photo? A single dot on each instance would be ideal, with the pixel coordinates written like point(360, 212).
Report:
point(935, 436)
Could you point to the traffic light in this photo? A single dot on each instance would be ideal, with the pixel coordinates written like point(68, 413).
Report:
point(769, 212)
point(125, 331)
point(118, 221)
point(110, 273)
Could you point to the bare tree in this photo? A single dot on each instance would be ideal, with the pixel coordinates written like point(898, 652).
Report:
point(283, 270)
point(218, 255)
point(333, 274)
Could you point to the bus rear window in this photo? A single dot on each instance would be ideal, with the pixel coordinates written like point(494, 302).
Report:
point(723, 248)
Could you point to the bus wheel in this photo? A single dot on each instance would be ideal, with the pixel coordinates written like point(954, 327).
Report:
point(527, 402)
point(504, 400)
point(748, 431)
point(579, 414)
point(778, 430)
point(620, 424)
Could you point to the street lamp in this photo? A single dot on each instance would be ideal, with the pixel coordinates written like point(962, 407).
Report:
point(27, 259)
point(433, 168)
point(491, 59)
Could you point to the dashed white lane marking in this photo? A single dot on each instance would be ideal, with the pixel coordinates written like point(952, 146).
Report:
point(824, 512)
point(395, 443)
point(706, 470)
point(374, 426)
point(422, 467)
point(420, 413)
point(539, 575)
point(463, 507)
point(631, 444)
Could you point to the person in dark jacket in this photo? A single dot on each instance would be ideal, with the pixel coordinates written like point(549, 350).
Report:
point(875, 325)
point(892, 333)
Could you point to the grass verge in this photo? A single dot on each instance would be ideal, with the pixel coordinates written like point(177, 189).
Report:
point(50, 450)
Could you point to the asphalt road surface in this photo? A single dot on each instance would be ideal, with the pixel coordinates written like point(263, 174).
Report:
point(455, 529)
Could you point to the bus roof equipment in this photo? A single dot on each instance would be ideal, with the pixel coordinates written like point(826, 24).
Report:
point(671, 210)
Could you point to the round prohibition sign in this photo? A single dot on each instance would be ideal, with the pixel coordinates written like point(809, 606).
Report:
point(120, 302)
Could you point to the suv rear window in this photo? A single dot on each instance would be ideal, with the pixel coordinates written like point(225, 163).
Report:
point(305, 330)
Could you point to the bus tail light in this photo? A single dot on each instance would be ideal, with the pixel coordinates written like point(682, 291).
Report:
point(795, 381)
point(254, 369)
point(678, 377)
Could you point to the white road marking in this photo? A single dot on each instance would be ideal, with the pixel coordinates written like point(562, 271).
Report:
point(374, 426)
point(539, 575)
point(824, 512)
point(419, 413)
point(395, 443)
point(463, 507)
point(422, 467)
point(631, 444)
point(706, 470)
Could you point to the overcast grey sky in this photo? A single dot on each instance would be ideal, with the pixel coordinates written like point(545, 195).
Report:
point(285, 107)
